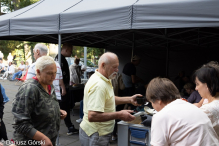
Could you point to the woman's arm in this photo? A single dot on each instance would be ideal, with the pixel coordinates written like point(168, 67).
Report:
point(22, 108)
point(40, 136)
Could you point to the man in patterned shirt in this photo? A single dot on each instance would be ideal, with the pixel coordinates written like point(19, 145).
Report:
point(39, 51)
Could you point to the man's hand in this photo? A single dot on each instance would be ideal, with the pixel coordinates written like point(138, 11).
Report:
point(63, 114)
point(134, 101)
point(125, 115)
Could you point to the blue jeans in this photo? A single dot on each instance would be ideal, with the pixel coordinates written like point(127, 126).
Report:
point(18, 74)
point(81, 109)
point(5, 97)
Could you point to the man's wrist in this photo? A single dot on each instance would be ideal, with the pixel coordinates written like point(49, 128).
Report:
point(130, 100)
point(117, 115)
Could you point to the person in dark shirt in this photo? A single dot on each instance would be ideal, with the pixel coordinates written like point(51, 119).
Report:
point(129, 77)
point(194, 95)
point(65, 101)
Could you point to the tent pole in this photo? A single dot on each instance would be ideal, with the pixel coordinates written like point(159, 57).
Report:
point(85, 62)
point(59, 49)
point(59, 60)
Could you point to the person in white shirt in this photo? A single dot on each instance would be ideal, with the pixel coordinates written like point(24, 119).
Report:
point(25, 70)
point(207, 84)
point(19, 73)
point(58, 82)
point(39, 51)
point(10, 70)
point(10, 57)
point(177, 122)
point(2, 66)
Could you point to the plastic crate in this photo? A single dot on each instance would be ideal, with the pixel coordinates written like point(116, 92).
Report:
point(130, 134)
point(138, 136)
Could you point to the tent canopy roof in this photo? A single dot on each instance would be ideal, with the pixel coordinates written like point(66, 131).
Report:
point(122, 23)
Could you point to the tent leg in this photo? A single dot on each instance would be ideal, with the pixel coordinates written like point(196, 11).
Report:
point(85, 61)
point(59, 49)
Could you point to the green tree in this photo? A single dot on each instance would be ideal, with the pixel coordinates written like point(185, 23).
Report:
point(93, 54)
point(13, 5)
point(16, 47)
point(8, 47)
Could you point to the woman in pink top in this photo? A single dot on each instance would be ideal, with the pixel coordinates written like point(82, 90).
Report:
point(207, 84)
point(177, 122)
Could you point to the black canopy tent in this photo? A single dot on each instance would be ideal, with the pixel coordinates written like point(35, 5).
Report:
point(125, 27)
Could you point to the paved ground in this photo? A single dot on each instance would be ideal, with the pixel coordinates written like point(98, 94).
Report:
point(11, 89)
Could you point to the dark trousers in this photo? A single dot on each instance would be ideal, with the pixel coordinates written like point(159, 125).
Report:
point(65, 105)
point(3, 133)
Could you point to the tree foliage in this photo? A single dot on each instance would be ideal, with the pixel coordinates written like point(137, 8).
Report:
point(8, 47)
point(15, 47)
point(92, 53)
point(13, 5)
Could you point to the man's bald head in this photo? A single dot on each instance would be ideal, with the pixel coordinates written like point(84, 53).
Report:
point(108, 65)
point(107, 58)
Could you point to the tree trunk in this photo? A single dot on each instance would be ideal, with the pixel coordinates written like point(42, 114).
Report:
point(15, 4)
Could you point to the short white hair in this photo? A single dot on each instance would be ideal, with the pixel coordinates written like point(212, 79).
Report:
point(43, 62)
point(103, 60)
point(42, 48)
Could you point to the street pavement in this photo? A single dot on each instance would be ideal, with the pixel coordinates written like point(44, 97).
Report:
point(64, 140)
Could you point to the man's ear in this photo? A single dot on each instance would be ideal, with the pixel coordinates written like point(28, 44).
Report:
point(38, 52)
point(103, 65)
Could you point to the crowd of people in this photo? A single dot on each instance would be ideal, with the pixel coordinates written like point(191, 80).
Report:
point(10, 70)
point(43, 100)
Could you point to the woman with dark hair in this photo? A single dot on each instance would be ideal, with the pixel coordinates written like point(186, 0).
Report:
point(207, 84)
point(177, 121)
